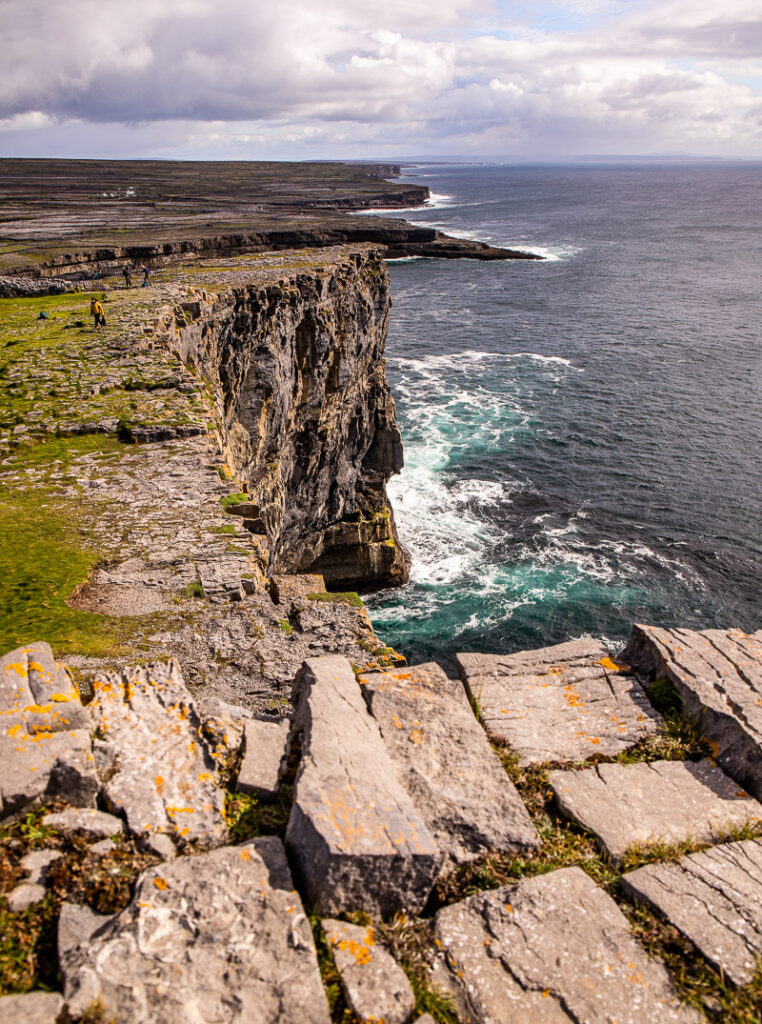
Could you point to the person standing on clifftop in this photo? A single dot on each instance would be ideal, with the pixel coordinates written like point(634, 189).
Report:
point(146, 276)
point(96, 311)
point(127, 277)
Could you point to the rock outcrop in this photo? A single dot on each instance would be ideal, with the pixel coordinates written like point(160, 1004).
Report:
point(219, 937)
point(718, 675)
point(44, 732)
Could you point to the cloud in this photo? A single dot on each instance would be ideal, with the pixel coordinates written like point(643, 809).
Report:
point(448, 75)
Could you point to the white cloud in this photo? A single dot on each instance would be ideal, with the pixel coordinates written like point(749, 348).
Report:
point(421, 75)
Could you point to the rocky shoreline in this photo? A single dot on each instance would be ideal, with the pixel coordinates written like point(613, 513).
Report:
point(223, 798)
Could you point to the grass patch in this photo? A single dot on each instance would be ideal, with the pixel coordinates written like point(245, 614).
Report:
point(337, 1003)
point(193, 589)
point(348, 597)
point(248, 816)
point(228, 500)
point(411, 941)
point(228, 530)
point(286, 626)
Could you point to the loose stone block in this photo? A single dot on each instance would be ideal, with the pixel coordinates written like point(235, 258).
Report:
point(95, 824)
point(264, 757)
point(24, 896)
point(217, 937)
point(718, 674)
point(353, 832)
point(554, 949)
point(32, 1008)
point(376, 987)
point(561, 703)
point(629, 805)
point(714, 899)
point(44, 732)
point(446, 763)
point(155, 763)
point(37, 863)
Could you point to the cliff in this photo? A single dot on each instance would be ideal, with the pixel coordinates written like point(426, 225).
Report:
point(306, 418)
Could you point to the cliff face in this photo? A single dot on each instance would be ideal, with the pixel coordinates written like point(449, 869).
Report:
point(306, 418)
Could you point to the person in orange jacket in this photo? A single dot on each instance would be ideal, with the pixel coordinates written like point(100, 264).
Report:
point(96, 311)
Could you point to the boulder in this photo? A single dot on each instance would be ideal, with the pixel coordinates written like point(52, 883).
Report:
point(376, 987)
point(154, 761)
point(287, 588)
point(554, 949)
point(264, 757)
point(630, 805)
point(91, 823)
point(37, 863)
point(44, 737)
point(353, 833)
point(561, 703)
point(718, 674)
point(446, 763)
point(714, 899)
point(24, 896)
point(217, 937)
point(32, 1008)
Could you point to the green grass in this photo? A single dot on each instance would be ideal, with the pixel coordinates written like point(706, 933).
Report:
point(228, 500)
point(286, 626)
point(249, 817)
point(228, 530)
point(347, 597)
point(411, 942)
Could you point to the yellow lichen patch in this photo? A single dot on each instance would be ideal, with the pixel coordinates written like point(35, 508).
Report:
point(159, 782)
point(611, 666)
point(572, 698)
point(160, 884)
point(358, 950)
point(37, 709)
point(172, 811)
point(14, 730)
point(245, 855)
point(205, 777)
point(416, 736)
point(19, 667)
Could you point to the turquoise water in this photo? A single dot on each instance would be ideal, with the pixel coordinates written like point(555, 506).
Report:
point(581, 435)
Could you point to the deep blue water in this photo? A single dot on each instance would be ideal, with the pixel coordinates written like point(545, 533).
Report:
point(582, 435)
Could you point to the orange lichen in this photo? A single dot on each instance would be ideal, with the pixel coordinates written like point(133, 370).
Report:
point(160, 884)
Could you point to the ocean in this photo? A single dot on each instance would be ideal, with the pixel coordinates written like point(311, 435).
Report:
point(581, 435)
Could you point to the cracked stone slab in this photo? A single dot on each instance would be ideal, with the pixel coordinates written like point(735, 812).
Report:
point(153, 758)
point(32, 1008)
point(264, 757)
point(554, 949)
point(217, 937)
point(713, 898)
point(718, 674)
point(353, 832)
point(446, 763)
point(561, 703)
point(376, 987)
point(630, 805)
point(44, 732)
point(77, 924)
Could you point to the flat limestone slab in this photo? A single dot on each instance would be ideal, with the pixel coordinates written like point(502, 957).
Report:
point(44, 732)
point(376, 987)
point(446, 763)
point(561, 703)
point(718, 674)
point(155, 764)
point(32, 1008)
point(628, 805)
point(553, 949)
point(218, 937)
point(715, 899)
point(354, 834)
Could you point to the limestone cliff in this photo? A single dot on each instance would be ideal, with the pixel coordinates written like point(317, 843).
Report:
point(306, 418)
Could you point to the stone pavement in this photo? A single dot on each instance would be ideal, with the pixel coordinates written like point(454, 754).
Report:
point(562, 703)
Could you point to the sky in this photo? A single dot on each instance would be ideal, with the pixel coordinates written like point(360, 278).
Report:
point(381, 79)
